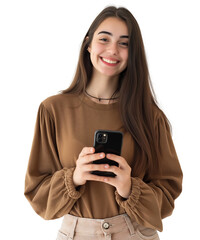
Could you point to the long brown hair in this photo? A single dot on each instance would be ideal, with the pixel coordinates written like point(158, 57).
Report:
point(137, 98)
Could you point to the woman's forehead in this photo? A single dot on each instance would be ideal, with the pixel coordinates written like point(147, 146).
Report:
point(113, 25)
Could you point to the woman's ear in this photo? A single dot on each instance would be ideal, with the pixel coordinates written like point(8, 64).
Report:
point(87, 38)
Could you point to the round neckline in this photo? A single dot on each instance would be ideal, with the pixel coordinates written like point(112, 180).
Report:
point(87, 100)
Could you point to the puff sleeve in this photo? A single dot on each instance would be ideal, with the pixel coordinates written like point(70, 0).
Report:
point(48, 186)
point(150, 202)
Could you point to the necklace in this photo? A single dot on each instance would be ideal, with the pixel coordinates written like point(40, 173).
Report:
point(111, 98)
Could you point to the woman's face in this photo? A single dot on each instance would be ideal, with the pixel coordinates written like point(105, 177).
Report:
point(109, 47)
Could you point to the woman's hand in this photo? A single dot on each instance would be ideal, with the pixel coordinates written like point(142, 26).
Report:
point(84, 167)
point(122, 181)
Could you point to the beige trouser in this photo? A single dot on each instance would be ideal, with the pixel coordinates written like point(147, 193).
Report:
point(115, 228)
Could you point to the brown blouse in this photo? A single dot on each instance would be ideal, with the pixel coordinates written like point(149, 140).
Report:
point(65, 124)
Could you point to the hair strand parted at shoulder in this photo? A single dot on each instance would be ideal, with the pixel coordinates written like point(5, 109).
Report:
point(137, 100)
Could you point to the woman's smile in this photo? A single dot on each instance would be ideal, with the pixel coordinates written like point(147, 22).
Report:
point(109, 62)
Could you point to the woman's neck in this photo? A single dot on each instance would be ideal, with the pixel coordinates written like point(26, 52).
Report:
point(102, 87)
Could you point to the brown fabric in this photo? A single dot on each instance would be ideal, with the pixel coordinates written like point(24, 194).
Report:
point(65, 124)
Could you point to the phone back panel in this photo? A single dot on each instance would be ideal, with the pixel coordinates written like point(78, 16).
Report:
point(111, 144)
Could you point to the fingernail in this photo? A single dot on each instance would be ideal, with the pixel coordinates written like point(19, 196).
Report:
point(91, 149)
point(106, 166)
point(101, 155)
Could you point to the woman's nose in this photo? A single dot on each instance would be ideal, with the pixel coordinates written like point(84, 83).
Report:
point(113, 48)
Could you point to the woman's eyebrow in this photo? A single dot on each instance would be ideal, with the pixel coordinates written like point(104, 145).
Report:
point(109, 33)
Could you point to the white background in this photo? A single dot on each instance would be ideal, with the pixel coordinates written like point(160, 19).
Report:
point(39, 47)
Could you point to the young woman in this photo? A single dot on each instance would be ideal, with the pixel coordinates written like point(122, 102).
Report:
point(111, 90)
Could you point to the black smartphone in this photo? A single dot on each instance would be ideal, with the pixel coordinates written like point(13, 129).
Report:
point(108, 142)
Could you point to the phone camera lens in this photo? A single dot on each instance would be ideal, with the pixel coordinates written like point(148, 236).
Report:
point(101, 137)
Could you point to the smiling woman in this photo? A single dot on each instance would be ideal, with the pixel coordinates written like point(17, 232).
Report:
point(111, 90)
point(109, 49)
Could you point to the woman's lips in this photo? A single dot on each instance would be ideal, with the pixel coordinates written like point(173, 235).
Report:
point(109, 62)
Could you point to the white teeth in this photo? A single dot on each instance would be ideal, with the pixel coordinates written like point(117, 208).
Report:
point(108, 61)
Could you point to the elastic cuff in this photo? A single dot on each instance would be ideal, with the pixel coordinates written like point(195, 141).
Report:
point(133, 197)
point(72, 191)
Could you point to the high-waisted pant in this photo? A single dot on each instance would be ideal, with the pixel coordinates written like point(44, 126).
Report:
point(116, 228)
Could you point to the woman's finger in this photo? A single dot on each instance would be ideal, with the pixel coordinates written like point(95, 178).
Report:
point(95, 167)
point(90, 158)
point(92, 177)
point(114, 169)
point(119, 159)
point(86, 151)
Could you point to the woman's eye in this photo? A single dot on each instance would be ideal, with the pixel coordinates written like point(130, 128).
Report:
point(124, 44)
point(104, 39)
